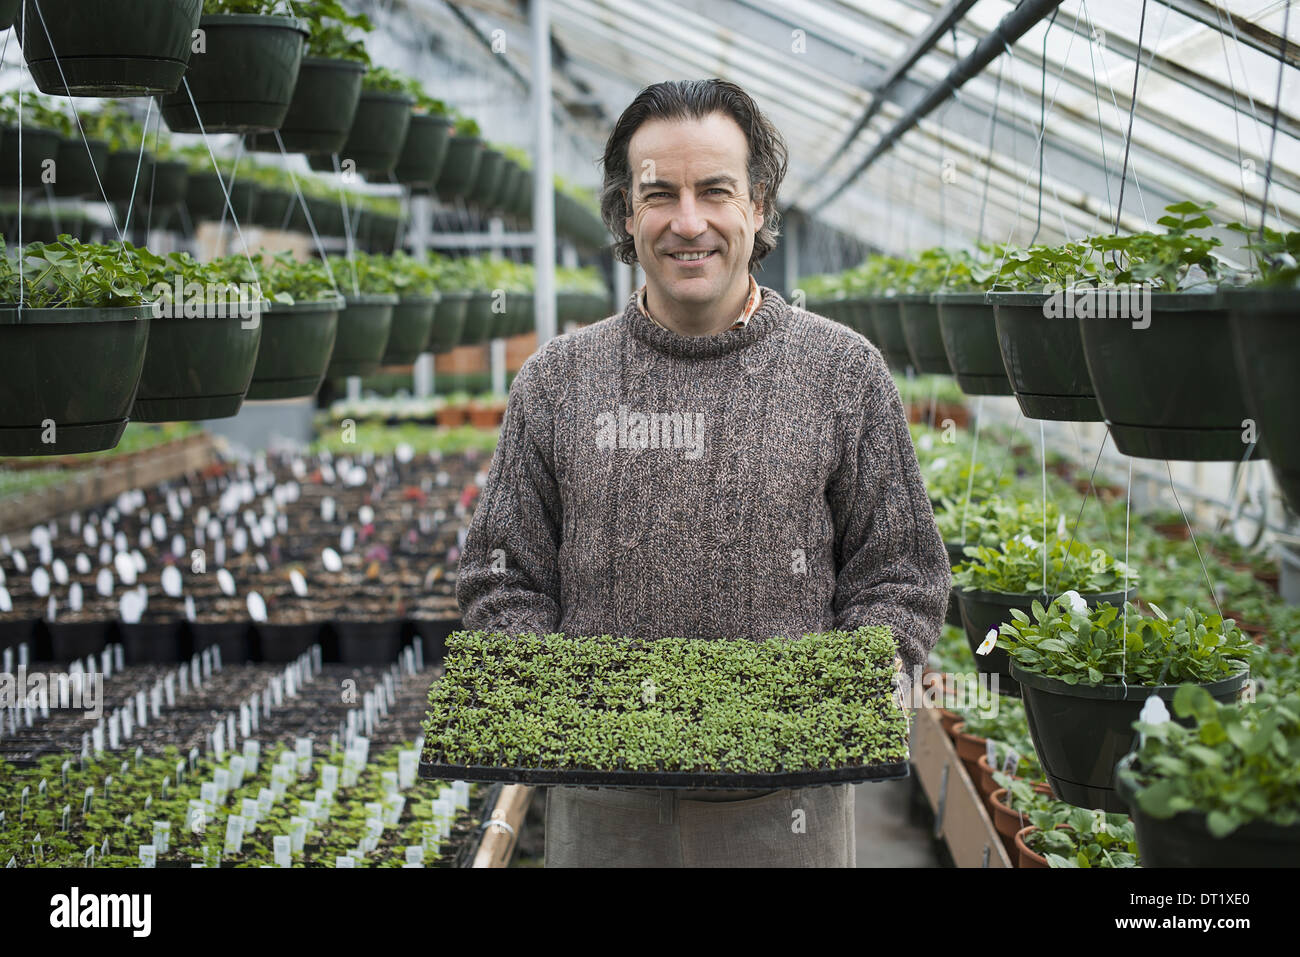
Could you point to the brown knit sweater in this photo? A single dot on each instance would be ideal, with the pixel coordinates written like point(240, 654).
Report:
point(783, 498)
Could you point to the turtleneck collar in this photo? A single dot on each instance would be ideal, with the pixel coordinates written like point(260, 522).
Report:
point(773, 312)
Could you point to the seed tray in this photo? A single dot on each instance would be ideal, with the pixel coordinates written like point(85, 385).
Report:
point(685, 780)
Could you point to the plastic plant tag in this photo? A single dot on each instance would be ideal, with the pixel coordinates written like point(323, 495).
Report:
point(162, 832)
point(347, 538)
point(171, 581)
point(393, 809)
point(345, 862)
point(283, 845)
point(252, 756)
point(234, 834)
point(237, 769)
point(1154, 711)
point(65, 818)
point(1012, 761)
point(298, 833)
point(226, 582)
point(991, 753)
point(219, 741)
point(390, 781)
point(148, 855)
point(322, 799)
point(279, 781)
point(249, 812)
point(327, 509)
point(302, 748)
point(989, 643)
point(141, 709)
point(329, 777)
point(265, 801)
point(331, 560)
point(208, 793)
point(461, 791)
point(415, 855)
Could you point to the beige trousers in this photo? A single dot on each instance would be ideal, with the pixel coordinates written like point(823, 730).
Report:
point(616, 827)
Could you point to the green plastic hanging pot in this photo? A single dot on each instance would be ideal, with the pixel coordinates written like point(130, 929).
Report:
point(1166, 382)
point(859, 312)
point(1266, 347)
point(920, 318)
point(79, 167)
point(505, 191)
point(45, 222)
point(295, 350)
point(488, 179)
point(448, 321)
point(1184, 839)
point(970, 338)
point(70, 375)
point(165, 185)
point(519, 317)
point(8, 13)
point(321, 112)
point(274, 207)
point(1043, 358)
point(378, 132)
point(379, 232)
point(570, 307)
point(412, 322)
point(1081, 732)
point(460, 168)
point(479, 319)
point(198, 366)
point(243, 80)
point(887, 324)
point(424, 151)
point(38, 145)
point(121, 180)
point(364, 328)
point(522, 203)
point(108, 48)
point(205, 198)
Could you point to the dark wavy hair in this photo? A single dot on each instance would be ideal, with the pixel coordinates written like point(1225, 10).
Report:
point(695, 99)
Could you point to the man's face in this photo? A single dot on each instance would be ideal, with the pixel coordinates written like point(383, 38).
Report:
point(690, 195)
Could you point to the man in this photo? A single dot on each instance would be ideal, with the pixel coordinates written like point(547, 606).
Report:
point(785, 499)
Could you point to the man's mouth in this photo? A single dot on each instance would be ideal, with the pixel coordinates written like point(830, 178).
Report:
point(694, 256)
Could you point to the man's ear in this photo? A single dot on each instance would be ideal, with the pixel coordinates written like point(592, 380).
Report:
point(627, 212)
point(760, 207)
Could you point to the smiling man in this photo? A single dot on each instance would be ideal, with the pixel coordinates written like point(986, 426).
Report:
point(710, 463)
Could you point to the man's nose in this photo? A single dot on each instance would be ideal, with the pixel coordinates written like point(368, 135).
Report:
point(687, 221)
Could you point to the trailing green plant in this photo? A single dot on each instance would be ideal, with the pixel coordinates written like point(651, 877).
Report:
point(466, 126)
point(115, 126)
point(1089, 839)
point(1008, 729)
point(69, 273)
point(380, 79)
point(287, 281)
point(36, 111)
point(1233, 763)
point(1275, 255)
point(580, 279)
point(994, 520)
point(669, 704)
point(364, 274)
point(335, 32)
point(258, 7)
point(1016, 567)
point(950, 270)
point(1176, 260)
point(1022, 797)
point(1076, 645)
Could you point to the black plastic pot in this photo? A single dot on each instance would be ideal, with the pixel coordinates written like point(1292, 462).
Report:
point(1080, 732)
point(232, 637)
point(953, 615)
point(364, 327)
point(1184, 840)
point(244, 80)
point(44, 222)
point(154, 641)
point(368, 642)
point(108, 48)
point(460, 168)
point(73, 640)
point(70, 375)
point(76, 166)
point(274, 207)
point(1266, 346)
point(378, 132)
point(1167, 387)
point(522, 203)
point(205, 199)
point(1044, 359)
point(198, 367)
point(164, 186)
point(424, 151)
point(970, 338)
point(286, 642)
point(412, 323)
point(17, 629)
point(448, 322)
point(887, 324)
point(480, 320)
point(505, 185)
point(920, 320)
point(982, 610)
point(321, 112)
point(296, 345)
point(377, 232)
point(120, 175)
point(8, 13)
point(38, 145)
point(432, 634)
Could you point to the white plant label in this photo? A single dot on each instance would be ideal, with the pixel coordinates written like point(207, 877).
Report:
point(125, 567)
point(130, 607)
point(348, 538)
point(298, 582)
point(60, 571)
point(256, 606)
point(75, 596)
point(171, 581)
point(283, 844)
point(41, 582)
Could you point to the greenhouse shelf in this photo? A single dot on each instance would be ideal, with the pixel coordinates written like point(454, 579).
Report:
point(959, 814)
point(503, 815)
point(666, 779)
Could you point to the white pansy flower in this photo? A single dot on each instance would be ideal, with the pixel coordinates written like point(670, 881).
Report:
point(1154, 711)
point(989, 642)
point(1076, 601)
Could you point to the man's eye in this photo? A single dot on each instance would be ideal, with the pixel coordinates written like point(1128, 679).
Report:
point(653, 195)
point(716, 189)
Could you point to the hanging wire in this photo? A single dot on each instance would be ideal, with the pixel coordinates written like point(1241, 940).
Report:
point(988, 159)
point(1132, 109)
point(1042, 125)
point(1277, 106)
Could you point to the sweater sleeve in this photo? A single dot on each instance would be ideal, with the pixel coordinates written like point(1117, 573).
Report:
point(509, 579)
point(892, 568)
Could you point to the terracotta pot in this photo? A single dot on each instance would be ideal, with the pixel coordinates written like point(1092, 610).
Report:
point(969, 748)
point(453, 415)
point(1026, 857)
point(984, 782)
point(485, 416)
point(1175, 531)
point(948, 720)
point(1007, 821)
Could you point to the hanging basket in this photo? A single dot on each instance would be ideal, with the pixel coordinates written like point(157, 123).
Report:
point(70, 375)
point(80, 168)
point(198, 367)
point(448, 322)
point(165, 186)
point(38, 145)
point(1266, 346)
point(321, 111)
point(205, 198)
point(505, 186)
point(377, 232)
point(108, 48)
point(378, 131)
point(887, 324)
point(120, 174)
point(8, 13)
point(984, 610)
point(522, 203)
point(488, 179)
point(1184, 840)
point(273, 207)
point(920, 320)
point(424, 151)
point(480, 320)
point(364, 328)
point(1043, 359)
point(244, 80)
point(460, 168)
point(970, 338)
point(1080, 732)
point(295, 349)
point(412, 321)
point(44, 222)
point(1168, 387)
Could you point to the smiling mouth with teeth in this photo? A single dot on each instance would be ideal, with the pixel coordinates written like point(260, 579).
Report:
point(690, 257)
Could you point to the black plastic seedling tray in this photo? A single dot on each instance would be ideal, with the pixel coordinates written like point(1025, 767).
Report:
point(665, 779)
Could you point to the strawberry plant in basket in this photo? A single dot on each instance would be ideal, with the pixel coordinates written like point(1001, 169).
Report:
point(670, 712)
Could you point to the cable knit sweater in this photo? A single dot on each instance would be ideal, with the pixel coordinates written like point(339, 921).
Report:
point(782, 498)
